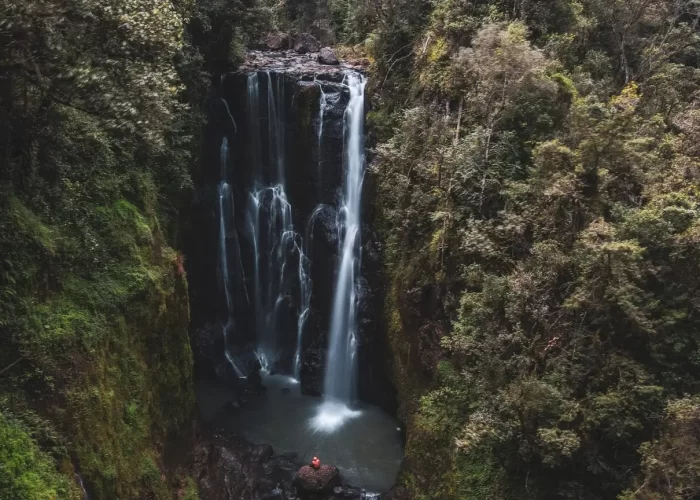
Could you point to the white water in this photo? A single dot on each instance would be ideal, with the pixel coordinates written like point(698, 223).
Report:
point(339, 381)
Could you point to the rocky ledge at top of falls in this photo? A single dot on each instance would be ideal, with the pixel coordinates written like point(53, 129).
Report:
point(303, 66)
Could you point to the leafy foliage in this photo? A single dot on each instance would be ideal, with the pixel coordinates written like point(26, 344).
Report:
point(26, 472)
point(99, 124)
point(539, 209)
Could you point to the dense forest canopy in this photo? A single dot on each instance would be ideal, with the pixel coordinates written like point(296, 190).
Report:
point(537, 189)
point(538, 180)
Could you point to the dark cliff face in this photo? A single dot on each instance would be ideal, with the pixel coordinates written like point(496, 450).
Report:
point(313, 179)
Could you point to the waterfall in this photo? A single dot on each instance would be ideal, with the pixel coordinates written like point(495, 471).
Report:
point(226, 209)
point(275, 243)
point(321, 112)
point(83, 491)
point(276, 123)
point(253, 114)
point(278, 248)
point(341, 360)
point(282, 263)
point(305, 285)
point(228, 111)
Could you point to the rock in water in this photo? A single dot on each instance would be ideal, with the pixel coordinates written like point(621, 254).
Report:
point(306, 42)
point(229, 468)
point(277, 41)
point(313, 481)
point(327, 56)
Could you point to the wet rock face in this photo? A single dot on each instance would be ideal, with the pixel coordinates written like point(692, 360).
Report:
point(306, 43)
point(327, 56)
point(231, 469)
point(310, 481)
point(208, 350)
point(312, 370)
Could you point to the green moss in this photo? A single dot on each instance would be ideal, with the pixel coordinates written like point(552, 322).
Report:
point(32, 226)
point(27, 473)
point(113, 353)
point(190, 491)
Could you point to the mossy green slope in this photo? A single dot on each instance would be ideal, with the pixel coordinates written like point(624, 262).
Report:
point(97, 365)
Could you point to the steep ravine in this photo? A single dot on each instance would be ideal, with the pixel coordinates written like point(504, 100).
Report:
point(269, 228)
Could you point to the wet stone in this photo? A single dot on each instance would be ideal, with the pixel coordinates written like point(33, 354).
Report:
point(327, 56)
point(321, 480)
point(303, 67)
point(306, 43)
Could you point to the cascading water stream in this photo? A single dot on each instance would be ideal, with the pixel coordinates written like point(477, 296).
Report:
point(83, 491)
point(276, 124)
point(228, 112)
point(226, 200)
point(319, 143)
point(275, 242)
point(268, 208)
point(305, 285)
point(341, 359)
point(277, 246)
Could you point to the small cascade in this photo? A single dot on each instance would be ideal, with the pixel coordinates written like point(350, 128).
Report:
point(277, 247)
point(276, 124)
point(228, 112)
point(323, 102)
point(225, 216)
point(306, 285)
point(83, 492)
point(339, 380)
point(253, 114)
point(275, 244)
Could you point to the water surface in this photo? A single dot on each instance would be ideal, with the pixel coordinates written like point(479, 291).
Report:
point(367, 447)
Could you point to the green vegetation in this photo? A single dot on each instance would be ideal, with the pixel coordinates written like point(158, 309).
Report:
point(538, 179)
point(100, 115)
point(26, 472)
point(539, 198)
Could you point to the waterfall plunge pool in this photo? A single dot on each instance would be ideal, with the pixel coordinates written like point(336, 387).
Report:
point(364, 442)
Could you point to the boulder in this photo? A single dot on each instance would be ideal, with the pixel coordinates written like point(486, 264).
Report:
point(315, 481)
point(277, 41)
point(232, 469)
point(305, 43)
point(327, 56)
